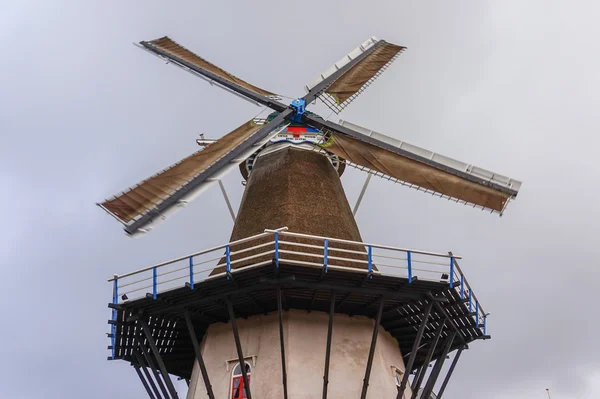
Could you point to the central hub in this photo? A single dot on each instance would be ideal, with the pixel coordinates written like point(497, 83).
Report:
point(297, 135)
point(299, 105)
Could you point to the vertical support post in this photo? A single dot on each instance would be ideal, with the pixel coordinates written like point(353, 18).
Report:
point(192, 332)
point(154, 280)
point(158, 357)
point(144, 382)
point(421, 376)
point(283, 369)
point(439, 363)
point(238, 346)
point(326, 254)
point(449, 374)
point(470, 300)
point(115, 290)
point(451, 271)
point(328, 348)
point(484, 325)
point(113, 328)
point(476, 314)
point(191, 272)
point(227, 260)
point(277, 249)
point(147, 374)
point(462, 286)
point(408, 258)
point(413, 352)
point(372, 351)
point(370, 255)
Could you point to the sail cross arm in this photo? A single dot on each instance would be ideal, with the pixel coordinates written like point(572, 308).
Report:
point(352, 74)
point(418, 167)
point(167, 48)
point(177, 185)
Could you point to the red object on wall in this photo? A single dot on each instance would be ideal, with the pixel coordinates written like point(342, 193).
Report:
point(238, 390)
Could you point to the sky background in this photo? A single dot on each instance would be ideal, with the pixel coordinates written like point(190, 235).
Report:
point(510, 86)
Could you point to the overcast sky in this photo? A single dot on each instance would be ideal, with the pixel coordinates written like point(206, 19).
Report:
point(510, 86)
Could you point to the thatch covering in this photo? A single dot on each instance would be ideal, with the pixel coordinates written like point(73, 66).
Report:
point(352, 81)
point(301, 190)
point(149, 193)
point(177, 51)
point(417, 173)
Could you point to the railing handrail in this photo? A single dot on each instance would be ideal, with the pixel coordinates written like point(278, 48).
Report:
point(282, 231)
point(455, 273)
point(366, 244)
point(460, 273)
point(145, 269)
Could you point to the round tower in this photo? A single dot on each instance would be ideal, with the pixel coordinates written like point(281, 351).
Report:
point(296, 186)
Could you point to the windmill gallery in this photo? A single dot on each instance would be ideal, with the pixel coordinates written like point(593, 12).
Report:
point(296, 306)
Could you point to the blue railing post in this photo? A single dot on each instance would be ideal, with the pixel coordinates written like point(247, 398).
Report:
point(115, 290)
point(484, 325)
point(477, 314)
point(451, 271)
point(154, 283)
point(462, 286)
point(191, 272)
point(228, 260)
point(113, 328)
point(470, 300)
point(326, 254)
point(409, 267)
point(277, 250)
point(370, 254)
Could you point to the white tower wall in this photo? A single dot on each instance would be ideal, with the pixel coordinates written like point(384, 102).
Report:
point(305, 336)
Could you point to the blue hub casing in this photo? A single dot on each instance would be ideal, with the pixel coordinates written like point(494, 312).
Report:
point(299, 105)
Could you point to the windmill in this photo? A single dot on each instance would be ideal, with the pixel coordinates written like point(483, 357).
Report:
point(292, 162)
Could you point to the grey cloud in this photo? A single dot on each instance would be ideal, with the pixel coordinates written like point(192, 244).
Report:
point(508, 86)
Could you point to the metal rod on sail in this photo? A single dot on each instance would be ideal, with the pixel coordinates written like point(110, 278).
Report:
point(227, 200)
point(362, 194)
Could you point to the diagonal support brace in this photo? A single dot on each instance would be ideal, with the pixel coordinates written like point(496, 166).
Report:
point(439, 363)
point(413, 353)
point(363, 394)
point(190, 326)
point(328, 348)
point(238, 346)
point(158, 357)
point(281, 343)
point(450, 371)
point(432, 348)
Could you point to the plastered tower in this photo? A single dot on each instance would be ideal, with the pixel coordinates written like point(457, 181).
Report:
point(300, 189)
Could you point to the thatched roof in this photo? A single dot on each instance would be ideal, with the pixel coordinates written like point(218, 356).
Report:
point(299, 189)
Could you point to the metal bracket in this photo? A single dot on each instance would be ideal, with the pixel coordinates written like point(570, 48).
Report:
point(299, 105)
point(362, 193)
point(231, 212)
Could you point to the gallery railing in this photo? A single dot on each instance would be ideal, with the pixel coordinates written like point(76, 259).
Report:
point(283, 246)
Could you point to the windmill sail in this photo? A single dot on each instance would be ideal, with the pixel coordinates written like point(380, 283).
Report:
point(354, 81)
point(150, 195)
point(423, 169)
point(174, 52)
